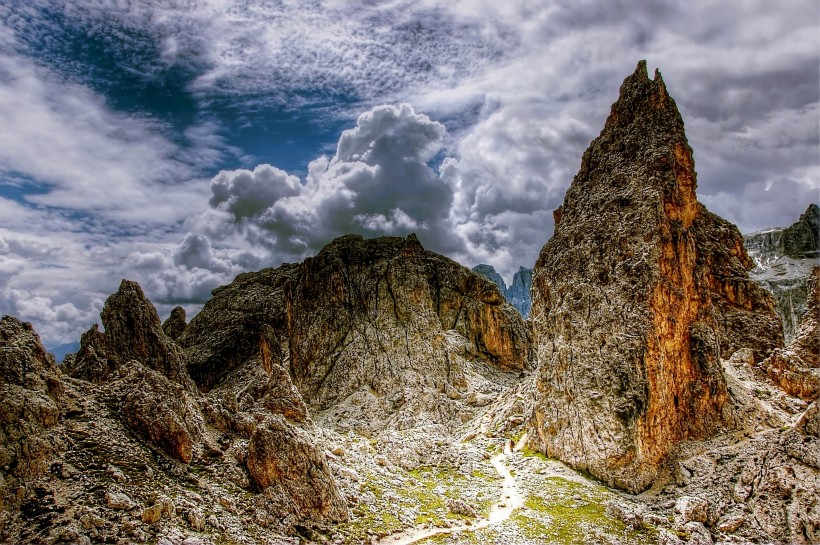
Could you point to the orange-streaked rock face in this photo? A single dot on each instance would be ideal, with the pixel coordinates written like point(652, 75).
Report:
point(636, 297)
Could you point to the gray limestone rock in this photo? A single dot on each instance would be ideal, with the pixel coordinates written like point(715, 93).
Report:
point(518, 293)
point(799, 241)
point(374, 333)
point(489, 272)
point(784, 258)
point(796, 369)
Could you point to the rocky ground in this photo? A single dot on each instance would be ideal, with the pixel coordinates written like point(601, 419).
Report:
point(431, 483)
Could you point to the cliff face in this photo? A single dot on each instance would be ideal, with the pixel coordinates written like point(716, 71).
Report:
point(783, 262)
point(489, 272)
point(801, 240)
point(631, 319)
point(518, 294)
point(796, 369)
point(30, 399)
point(375, 333)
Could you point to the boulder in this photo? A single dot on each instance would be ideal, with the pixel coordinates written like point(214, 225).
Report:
point(160, 411)
point(282, 456)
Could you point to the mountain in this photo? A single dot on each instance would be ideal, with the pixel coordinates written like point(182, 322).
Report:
point(123, 443)
point(146, 434)
point(375, 333)
point(518, 294)
point(636, 297)
point(62, 350)
point(489, 272)
point(380, 393)
point(784, 258)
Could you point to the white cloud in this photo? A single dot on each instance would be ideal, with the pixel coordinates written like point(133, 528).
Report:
point(64, 137)
point(378, 182)
point(247, 193)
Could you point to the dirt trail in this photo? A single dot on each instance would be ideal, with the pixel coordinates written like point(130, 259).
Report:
point(511, 499)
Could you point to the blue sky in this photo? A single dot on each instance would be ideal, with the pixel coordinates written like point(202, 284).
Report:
point(178, 143)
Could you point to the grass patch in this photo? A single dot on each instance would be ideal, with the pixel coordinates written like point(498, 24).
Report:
point(565, 512)
point(421, 499)
point(529, 453)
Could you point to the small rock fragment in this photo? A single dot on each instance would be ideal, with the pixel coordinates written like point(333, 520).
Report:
point(461, 507)
point(196, 519)
point(152, 514)
point(690, 509)
point(119, 501)
point(698, 534)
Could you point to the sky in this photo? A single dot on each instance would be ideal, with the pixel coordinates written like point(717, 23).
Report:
point(180, 142)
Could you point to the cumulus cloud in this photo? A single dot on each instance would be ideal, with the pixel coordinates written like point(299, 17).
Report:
point(247, 193)
point(378, 182)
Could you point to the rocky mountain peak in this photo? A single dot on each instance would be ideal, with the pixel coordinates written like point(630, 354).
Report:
point(23, 360)
point(174, 326)
point(802, 239)
point(636, 297)
point(133, 331)
point(375, 333)
point(489, 272)
point(518, 293)
point(784, 258)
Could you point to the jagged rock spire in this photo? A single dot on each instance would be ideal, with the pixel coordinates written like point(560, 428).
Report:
point(133, 331)
point(635, 297)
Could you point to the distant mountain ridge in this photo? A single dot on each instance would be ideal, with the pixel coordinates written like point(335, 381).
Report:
point(784, 257)
point(518, 294)
point(62, 350)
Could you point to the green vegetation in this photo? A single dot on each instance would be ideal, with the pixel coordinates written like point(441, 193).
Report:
point(566, 512)
point(424, 492)
point(527, 452)
point(435, 486)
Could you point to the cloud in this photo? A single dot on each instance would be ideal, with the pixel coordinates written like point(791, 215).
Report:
point(247, 193)
point(71, 149)
point(378, 182)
